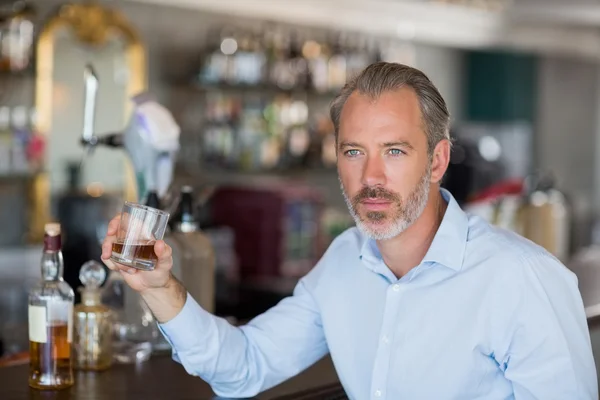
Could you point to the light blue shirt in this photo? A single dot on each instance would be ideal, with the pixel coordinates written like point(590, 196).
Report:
point(486, 315)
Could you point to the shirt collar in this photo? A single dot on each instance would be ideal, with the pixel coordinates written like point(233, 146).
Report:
point(448, 245)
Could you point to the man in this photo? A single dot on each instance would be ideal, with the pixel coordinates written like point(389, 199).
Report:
point(419, 301)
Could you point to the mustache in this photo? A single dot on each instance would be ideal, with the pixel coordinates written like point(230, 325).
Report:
point(375, 193)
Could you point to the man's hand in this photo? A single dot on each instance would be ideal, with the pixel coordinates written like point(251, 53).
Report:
point(162, 292)
point(139, 280)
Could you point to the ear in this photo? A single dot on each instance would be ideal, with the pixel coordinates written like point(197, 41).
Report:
point(440, 160)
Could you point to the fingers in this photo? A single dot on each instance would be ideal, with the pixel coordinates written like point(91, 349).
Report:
point(107, 248)
point(107, 244)
point(165, 255)
point(113, 266)
point(110, 238)
point(113, 226)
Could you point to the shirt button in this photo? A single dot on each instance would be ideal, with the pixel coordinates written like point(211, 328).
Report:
point(378, 393)
point(385, 339)
point(396, 288)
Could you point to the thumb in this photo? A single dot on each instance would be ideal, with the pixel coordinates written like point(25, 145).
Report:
point(164, 254)
point(159, 248)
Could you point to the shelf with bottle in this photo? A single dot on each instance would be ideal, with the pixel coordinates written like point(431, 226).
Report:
point(17, 75)
point(277, 59)
point(260, 88)
point(17, 32)
point(22, 148)
point(258, 135)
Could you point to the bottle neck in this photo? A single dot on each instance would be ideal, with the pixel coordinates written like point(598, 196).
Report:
point(152, 200)
point(186, 221)
point(90, 297)
point(186, 226)
point(52, 265)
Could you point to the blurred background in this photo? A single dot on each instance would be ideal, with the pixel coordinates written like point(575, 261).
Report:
point(249, 83)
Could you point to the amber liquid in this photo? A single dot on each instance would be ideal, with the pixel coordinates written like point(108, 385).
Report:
point(140, 256)
point(50, 362)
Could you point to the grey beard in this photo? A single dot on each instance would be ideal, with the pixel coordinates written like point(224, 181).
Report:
point(403, 216)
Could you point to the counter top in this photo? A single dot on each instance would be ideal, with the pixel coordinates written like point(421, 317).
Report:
point(158, 378)
point(163, 378)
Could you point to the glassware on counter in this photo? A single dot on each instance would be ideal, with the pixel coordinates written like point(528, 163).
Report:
point(134, 329)
point(92, 345)
point(51, 319)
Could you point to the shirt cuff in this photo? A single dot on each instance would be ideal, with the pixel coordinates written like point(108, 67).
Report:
point(183, 331)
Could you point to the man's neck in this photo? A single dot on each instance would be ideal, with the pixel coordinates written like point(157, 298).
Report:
point(405, 251)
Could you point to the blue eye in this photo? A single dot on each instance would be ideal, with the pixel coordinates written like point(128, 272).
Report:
point(396, 152)
point(352, 153)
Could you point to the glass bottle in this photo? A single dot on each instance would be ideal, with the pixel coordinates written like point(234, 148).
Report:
point(51, 320)
point(17, 41)
point(92, 344)
point(197, 253)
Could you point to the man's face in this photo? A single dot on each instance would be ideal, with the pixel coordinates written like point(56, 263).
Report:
point(383, 163)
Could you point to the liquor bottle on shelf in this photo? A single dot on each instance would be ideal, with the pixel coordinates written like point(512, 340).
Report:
point(337, 68)
point(218, 61)
point(51, 320)
point(16, 40)
point(317, 55)
point(250, 60)
point(21, 137)
point(92, 346)
point(5, 141)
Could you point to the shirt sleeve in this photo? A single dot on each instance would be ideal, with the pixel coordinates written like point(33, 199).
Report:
point(549, 353)
point(244, 361)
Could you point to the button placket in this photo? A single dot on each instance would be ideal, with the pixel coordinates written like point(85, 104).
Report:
point(383, 353)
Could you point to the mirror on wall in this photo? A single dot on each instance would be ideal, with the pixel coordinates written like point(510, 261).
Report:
point(76, 37)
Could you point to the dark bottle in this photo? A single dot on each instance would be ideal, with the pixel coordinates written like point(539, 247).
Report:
point(197, 253)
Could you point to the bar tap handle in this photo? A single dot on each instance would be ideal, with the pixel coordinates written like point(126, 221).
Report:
point(89, 117)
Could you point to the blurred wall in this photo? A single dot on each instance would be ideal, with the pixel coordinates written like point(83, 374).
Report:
point(567, 134)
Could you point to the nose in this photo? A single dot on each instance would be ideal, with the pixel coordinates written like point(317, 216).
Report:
point(373, 172)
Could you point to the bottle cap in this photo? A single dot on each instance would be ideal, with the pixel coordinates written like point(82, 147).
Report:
point(52, 229)
point(52, 237)
point(92, 274)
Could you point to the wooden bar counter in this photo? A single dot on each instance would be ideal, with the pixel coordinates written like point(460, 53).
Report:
point(158, 378)
point(163, 378)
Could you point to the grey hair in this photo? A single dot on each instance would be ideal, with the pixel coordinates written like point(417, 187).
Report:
point(382, 77)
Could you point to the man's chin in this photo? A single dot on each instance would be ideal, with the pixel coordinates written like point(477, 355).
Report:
point(378, 230)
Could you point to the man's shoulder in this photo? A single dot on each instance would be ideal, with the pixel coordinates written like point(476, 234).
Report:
point(507, 252)
point(345, 248)
point(342, 252)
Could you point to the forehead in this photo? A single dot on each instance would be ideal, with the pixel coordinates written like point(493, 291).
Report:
point(393, 112)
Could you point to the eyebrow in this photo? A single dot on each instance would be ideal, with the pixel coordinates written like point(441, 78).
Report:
point(349, 144)
point(401, 143)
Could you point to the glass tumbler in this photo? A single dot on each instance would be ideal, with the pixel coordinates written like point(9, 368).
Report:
point(139, 229)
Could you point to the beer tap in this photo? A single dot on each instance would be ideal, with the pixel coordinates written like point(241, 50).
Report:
point(89, 139)
point(150, 139)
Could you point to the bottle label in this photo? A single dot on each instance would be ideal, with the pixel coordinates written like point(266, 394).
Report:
point(37, 324)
